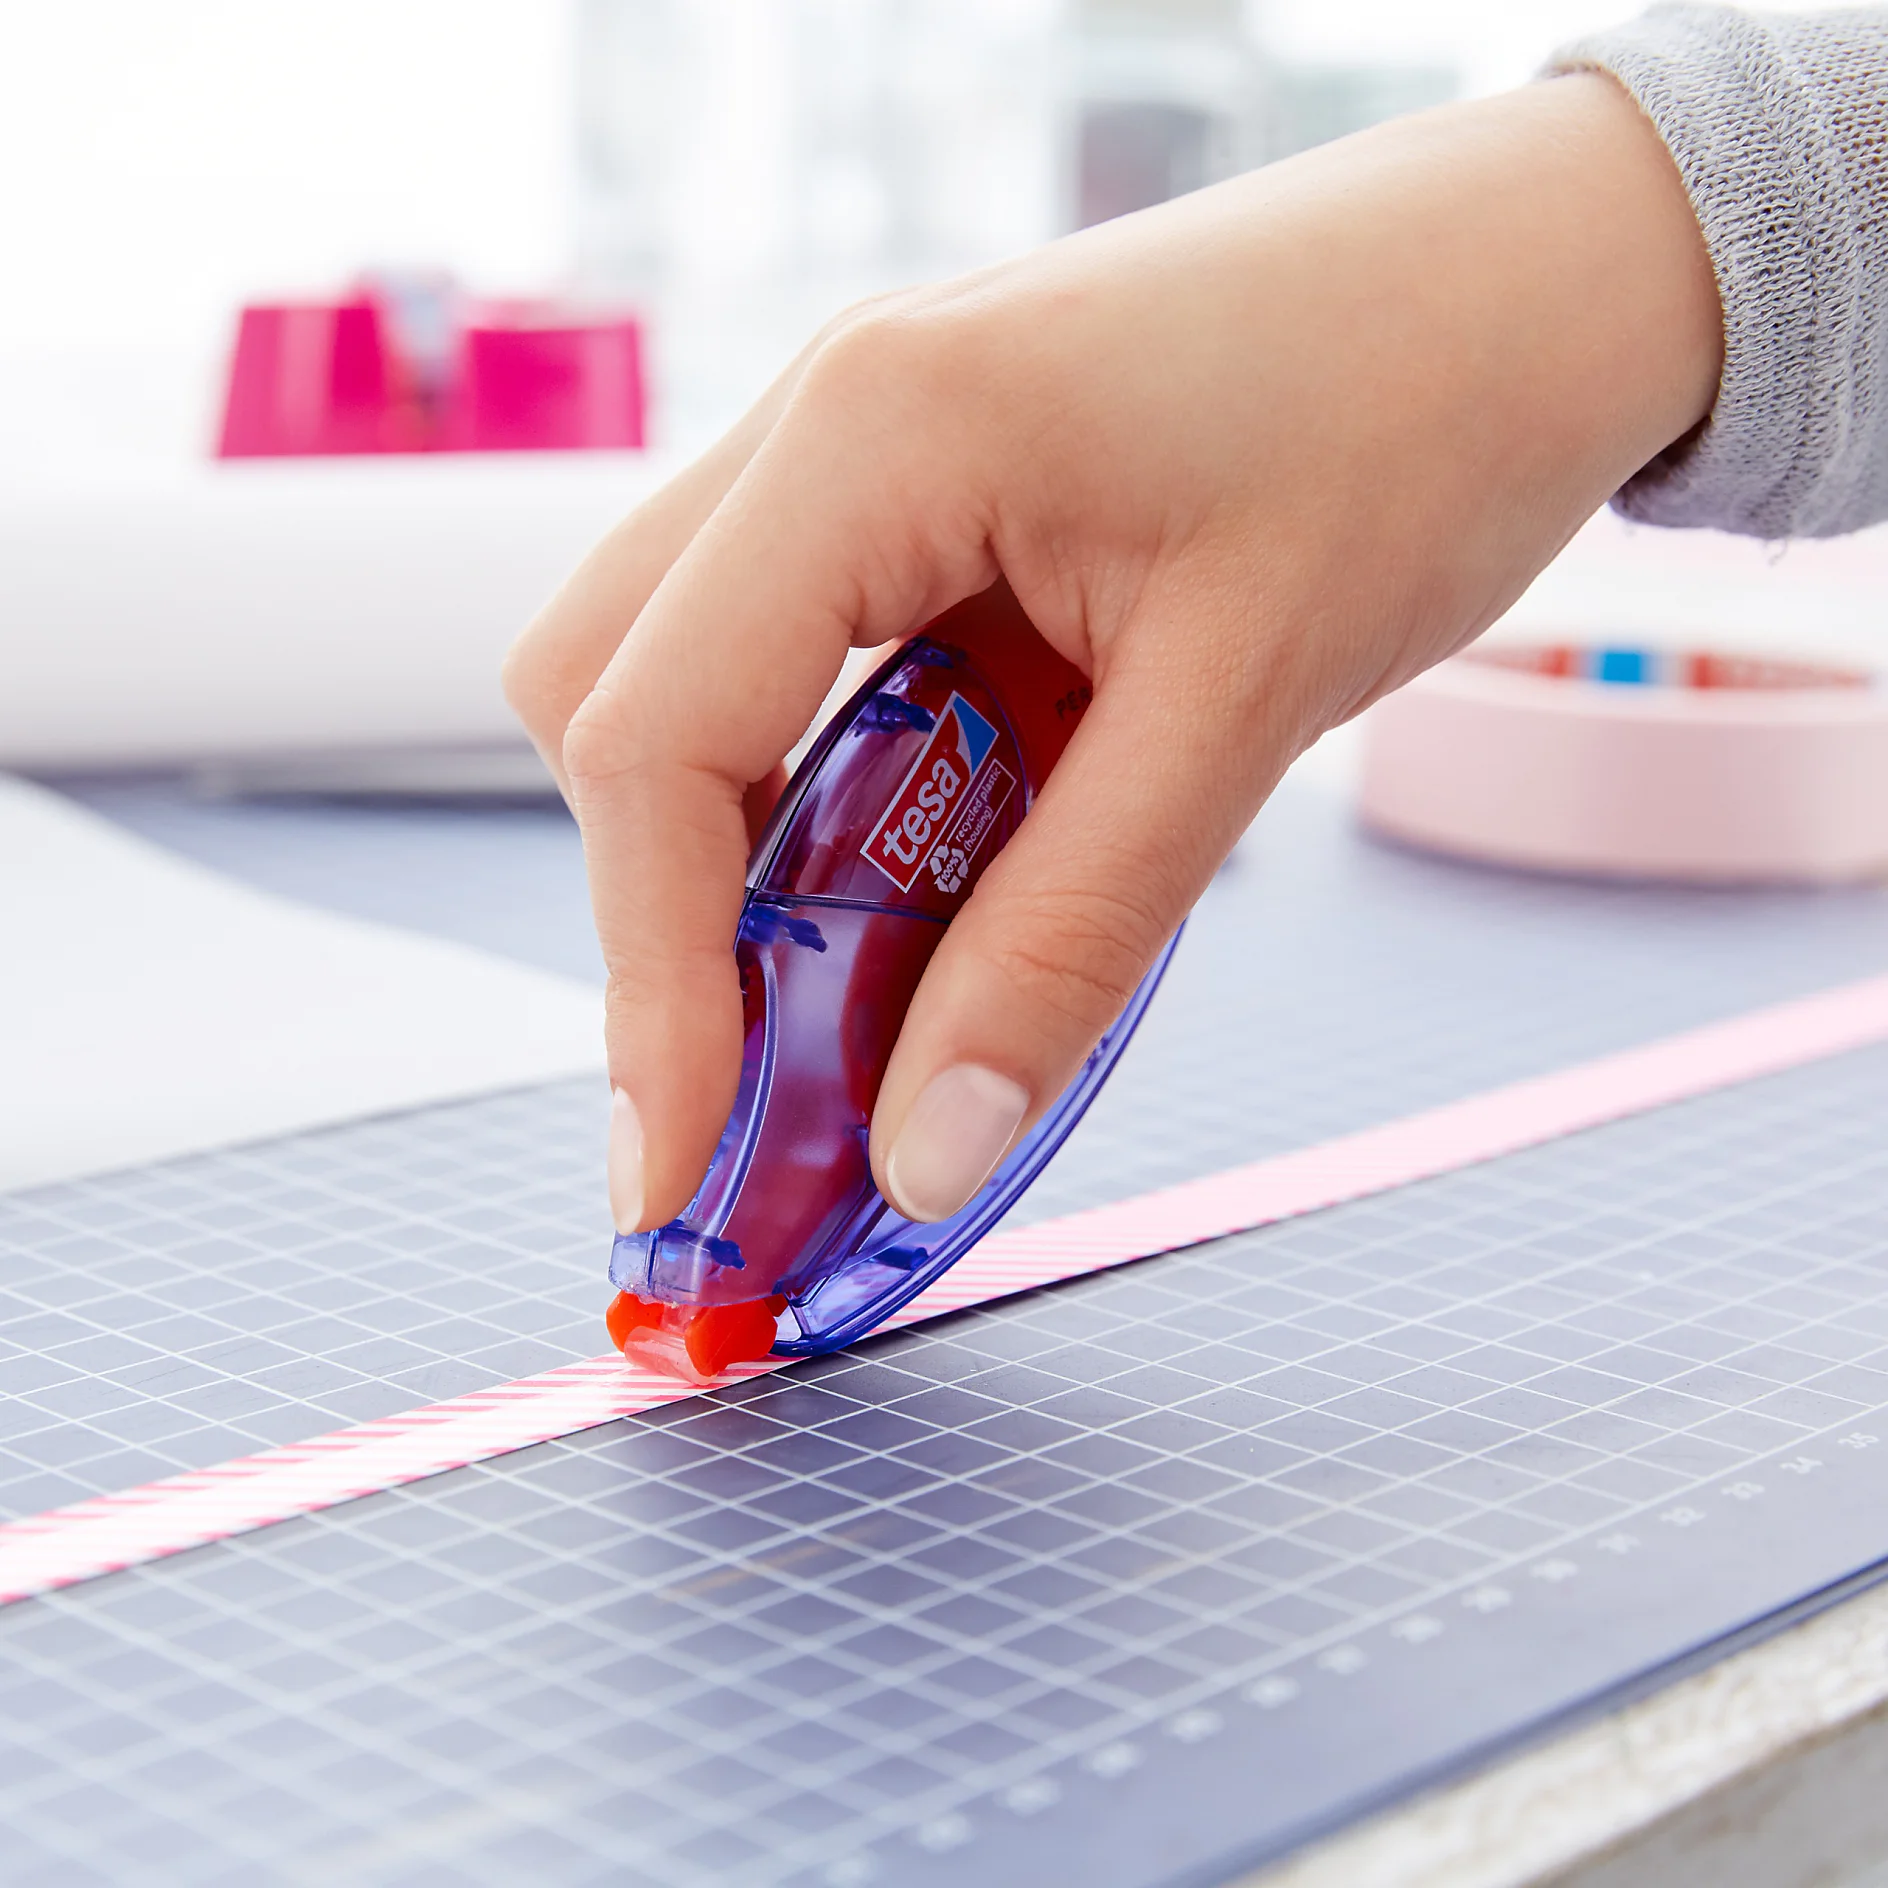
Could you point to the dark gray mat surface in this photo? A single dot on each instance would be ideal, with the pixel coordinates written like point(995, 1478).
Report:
point(1127, 1582)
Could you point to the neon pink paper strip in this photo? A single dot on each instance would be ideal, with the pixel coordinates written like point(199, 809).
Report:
point(111, 1532)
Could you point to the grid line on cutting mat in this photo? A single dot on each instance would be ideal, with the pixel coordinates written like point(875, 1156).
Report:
point(114, 1531)
point(175, 1319)
point(920, 1582)
point(986, 1600)
point(168, 1320)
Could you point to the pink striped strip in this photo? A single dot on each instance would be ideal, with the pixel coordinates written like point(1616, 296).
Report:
point(1419, 1146)
point(110, 1532)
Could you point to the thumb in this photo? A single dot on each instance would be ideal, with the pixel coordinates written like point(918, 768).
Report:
point(1166, 770)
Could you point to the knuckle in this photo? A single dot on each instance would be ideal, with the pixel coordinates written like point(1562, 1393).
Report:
point(861, 359)
point(523, 675)
point(545, 679)
point(597, 748)
point(868, 308)
point(1080, 957)
point(899, 350)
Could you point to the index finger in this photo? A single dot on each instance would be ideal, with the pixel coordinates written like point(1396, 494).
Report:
point(833, 535)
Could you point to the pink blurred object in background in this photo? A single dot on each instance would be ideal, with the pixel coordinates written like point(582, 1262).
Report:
point(565, 383)
point(411, 366)
point(1626, 763)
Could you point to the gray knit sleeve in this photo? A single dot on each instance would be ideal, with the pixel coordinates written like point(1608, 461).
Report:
point(1779, 126)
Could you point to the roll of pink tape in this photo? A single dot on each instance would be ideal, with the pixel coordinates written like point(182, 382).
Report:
point(1635, 764)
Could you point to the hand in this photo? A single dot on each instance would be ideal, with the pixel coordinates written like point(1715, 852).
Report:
point(1250, 459)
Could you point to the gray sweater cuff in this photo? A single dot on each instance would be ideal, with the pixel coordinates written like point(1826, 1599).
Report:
point(1779, 127)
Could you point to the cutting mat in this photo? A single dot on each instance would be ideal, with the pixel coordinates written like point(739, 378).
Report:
point(1132, 1581)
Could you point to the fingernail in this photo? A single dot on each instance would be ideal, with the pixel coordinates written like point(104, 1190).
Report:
point(625, 1162)
point(957, 1130)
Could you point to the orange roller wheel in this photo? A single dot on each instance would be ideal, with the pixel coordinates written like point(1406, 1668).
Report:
point(628, 1314)
point(720, 1335)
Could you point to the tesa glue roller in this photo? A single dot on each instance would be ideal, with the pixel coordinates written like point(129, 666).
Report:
point(882, 834)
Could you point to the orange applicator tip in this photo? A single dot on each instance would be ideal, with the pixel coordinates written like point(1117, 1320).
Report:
point(695, 1343)
point(628, 1314)
point(720, 1335)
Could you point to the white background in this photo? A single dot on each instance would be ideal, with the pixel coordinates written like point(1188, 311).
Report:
point(162, 159)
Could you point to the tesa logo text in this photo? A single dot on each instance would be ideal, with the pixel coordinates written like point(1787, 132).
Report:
point(930, 792)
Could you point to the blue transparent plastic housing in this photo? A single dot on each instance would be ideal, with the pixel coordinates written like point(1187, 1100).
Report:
point(880, 838)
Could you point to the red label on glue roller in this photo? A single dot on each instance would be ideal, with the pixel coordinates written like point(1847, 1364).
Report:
point(954, 773)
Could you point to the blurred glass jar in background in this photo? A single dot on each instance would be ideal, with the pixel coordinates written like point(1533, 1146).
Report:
point(746, 168)
point(1165, 96)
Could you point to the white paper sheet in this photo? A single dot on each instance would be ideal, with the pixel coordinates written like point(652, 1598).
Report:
point(149, 1007)
point(167, 612)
